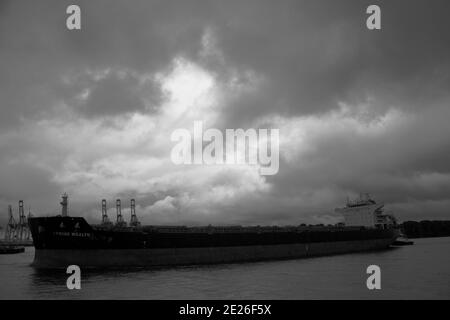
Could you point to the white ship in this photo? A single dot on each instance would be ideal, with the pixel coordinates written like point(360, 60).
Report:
point(365, 212)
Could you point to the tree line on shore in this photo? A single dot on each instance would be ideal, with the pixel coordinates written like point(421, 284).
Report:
point(426, 229)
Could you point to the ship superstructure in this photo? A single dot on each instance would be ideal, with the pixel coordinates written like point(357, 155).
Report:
point(365, 212)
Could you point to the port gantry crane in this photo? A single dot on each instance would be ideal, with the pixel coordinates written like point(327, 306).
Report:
point(16, 231)
point(134, 222)
point(119, 222)
point(105, 220)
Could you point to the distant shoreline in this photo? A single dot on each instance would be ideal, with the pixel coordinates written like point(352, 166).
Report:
point(426, 229)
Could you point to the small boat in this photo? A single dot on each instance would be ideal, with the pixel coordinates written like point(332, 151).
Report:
point(402, 241)
point(11, 249)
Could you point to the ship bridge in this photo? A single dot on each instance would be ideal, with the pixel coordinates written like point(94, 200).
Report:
point(365, 212)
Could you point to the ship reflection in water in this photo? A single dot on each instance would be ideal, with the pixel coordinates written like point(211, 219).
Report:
point(420, 271)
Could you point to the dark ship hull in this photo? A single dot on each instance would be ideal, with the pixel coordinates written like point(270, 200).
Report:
point(63, 241)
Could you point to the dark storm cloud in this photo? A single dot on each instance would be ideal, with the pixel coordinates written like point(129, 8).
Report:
point(34, 185)
point(305, 58)
point(312, 53)
point(115, 93)
point(38, 180)
point(36, 49)
point(315, 53)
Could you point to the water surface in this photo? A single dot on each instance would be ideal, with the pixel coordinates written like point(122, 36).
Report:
point(421, 271)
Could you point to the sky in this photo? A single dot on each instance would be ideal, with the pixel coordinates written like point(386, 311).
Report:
point(90, 112)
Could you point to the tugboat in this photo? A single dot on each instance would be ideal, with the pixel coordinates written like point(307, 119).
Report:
point(402, 240)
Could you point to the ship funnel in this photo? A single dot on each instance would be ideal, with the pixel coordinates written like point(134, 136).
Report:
point(64, 203)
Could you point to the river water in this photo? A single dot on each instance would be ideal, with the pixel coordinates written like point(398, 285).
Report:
point(421, 271)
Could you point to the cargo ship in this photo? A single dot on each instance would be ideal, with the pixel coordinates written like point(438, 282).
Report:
point(64, 240)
